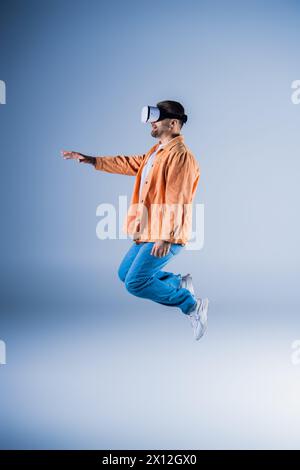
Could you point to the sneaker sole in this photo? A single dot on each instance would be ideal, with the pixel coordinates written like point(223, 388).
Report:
point(203, 317)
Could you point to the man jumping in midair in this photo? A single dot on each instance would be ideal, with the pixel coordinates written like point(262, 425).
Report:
point(160, 214)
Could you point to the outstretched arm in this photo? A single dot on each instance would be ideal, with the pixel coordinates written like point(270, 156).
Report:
point(69, 155)
point(121, 164)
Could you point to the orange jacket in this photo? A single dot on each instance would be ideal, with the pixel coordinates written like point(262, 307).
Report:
point(164, 210)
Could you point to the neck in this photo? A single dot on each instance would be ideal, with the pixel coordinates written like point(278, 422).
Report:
point(165, 140)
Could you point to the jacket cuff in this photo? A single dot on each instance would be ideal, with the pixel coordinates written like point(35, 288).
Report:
point(99, 163)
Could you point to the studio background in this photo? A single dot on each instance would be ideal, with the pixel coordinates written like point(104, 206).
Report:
point(88, 365)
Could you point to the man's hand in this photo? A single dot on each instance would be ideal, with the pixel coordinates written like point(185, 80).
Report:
point(160, 248)
point(68, 155)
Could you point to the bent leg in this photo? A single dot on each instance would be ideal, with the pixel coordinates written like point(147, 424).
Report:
point(171, 278)
point(145, 279)
point(128, 260)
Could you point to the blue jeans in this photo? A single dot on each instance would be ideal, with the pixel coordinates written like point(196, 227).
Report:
point(142, 275)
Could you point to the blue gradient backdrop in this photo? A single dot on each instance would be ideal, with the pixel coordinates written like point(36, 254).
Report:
point(88, 365)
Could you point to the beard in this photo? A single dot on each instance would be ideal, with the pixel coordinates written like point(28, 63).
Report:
point(155, 132)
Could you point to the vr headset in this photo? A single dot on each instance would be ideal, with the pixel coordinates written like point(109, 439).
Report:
point(154, 114)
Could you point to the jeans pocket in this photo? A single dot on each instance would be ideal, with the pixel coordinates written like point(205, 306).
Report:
point(175, 248)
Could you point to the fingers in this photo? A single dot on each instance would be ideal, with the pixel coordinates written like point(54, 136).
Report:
point(67, 154)
point(159, 254)
point(71, 155)
point(160, 251)
point(165, 252)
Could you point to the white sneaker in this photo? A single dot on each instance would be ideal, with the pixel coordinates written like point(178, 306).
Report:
point(186, 282)
point(198, 318)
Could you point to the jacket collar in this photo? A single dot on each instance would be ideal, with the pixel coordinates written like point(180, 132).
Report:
point(175, 141)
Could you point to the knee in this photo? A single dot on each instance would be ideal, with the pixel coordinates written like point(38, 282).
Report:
point(121, 274)
point(133, 286)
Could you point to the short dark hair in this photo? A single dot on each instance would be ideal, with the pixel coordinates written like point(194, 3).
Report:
point(172, 107)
